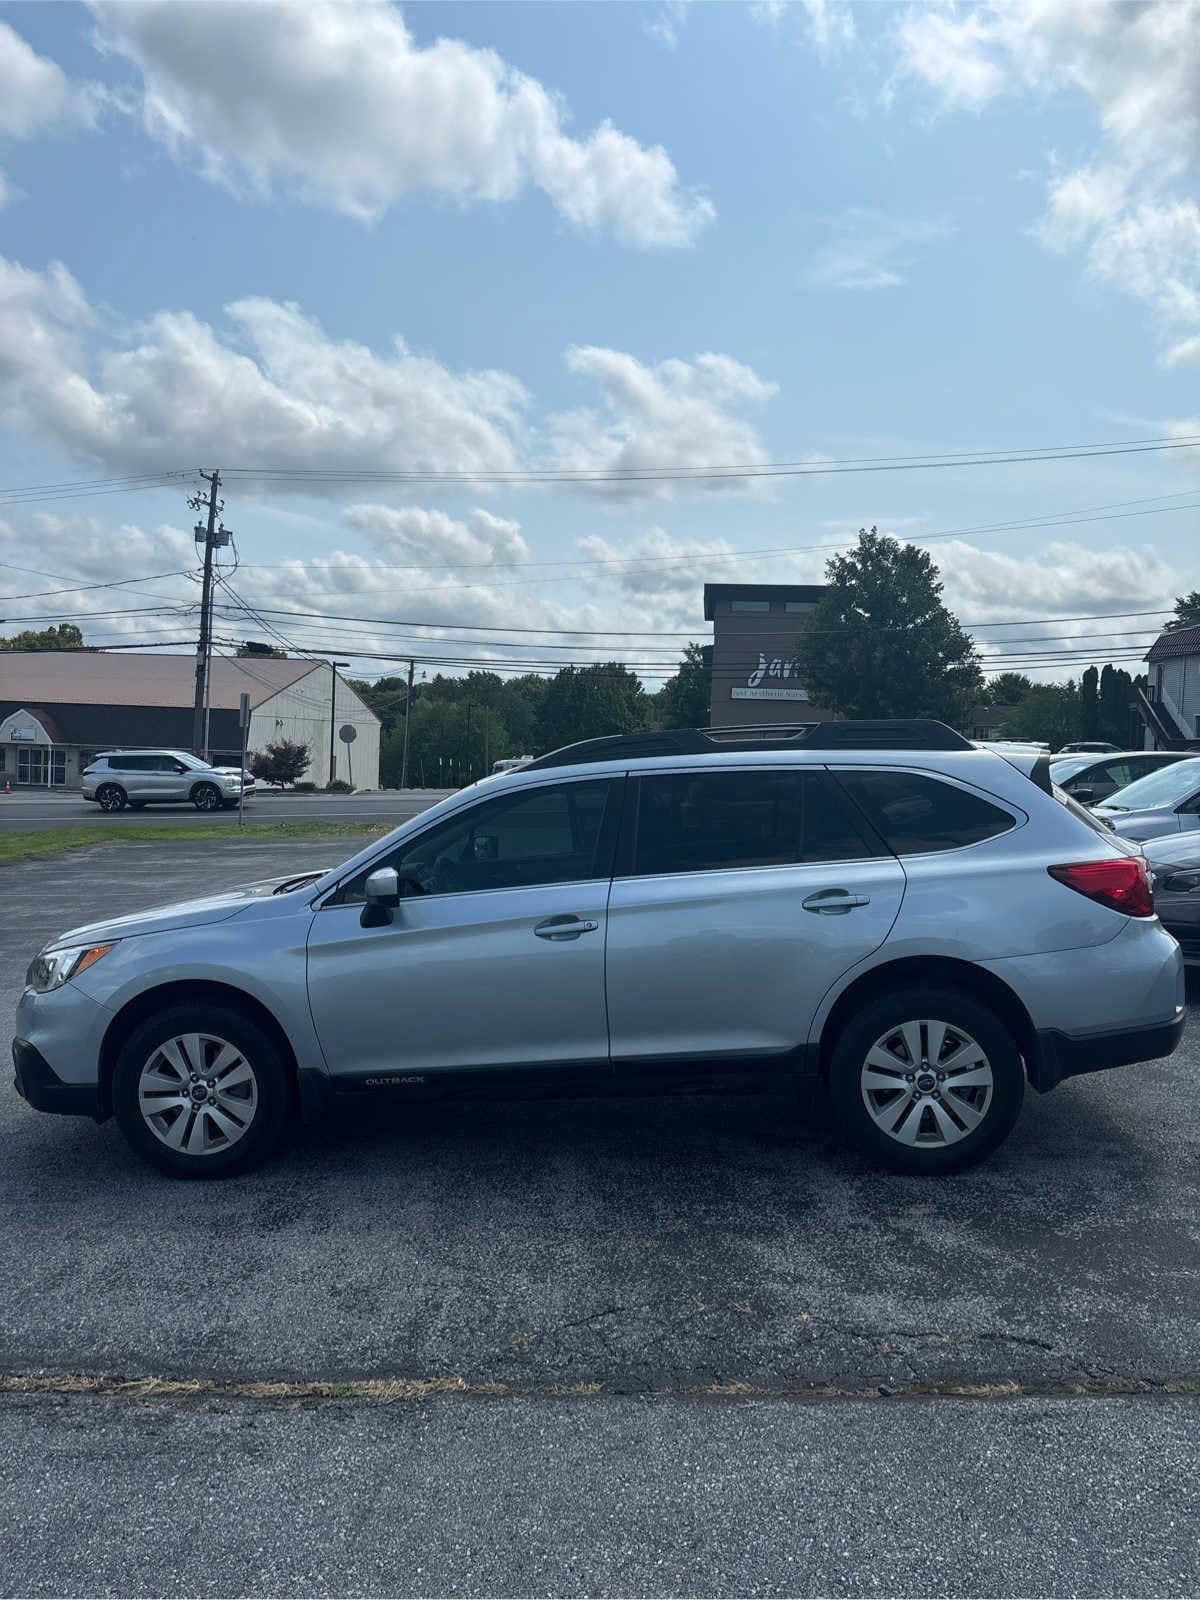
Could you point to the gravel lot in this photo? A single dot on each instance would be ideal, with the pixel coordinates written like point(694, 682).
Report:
point(641, 1245)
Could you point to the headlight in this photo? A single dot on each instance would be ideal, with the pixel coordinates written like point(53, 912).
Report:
point(52, 968)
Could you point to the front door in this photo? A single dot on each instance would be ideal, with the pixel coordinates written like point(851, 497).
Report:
point(746, 893)
point(495, 958)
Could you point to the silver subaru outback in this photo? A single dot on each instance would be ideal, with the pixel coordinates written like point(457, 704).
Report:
point(916, 926)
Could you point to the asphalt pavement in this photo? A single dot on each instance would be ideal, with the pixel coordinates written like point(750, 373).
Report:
point(663, 1257)
point(23, 810)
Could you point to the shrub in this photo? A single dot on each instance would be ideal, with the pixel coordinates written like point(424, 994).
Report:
point(280, 763)
point(339, 786)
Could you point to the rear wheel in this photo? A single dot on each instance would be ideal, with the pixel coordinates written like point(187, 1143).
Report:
point(206, 797)
point(201, 1091)
point(926, 1080)
point(110, 797)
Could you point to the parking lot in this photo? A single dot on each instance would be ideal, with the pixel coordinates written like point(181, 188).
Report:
point(662, 1250)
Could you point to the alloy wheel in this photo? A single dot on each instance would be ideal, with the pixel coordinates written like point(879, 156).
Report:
point(926, 1083)
point(198, 1094)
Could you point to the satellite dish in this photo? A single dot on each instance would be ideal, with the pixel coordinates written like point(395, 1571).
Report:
point(347, 733)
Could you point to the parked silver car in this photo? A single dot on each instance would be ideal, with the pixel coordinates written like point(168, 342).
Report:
point(1175, 863)
point(918, 925)
point(1091, 779)
point(137, 778)
point(1163, 802)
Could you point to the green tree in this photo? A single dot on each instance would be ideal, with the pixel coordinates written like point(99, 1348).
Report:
point(521, 710)
point(1187, 610)
point(684, 701)
point(66, 636)
point(1116, 695)
point(1007, 689)
point(881, 643)
point(255, 647)
point(1089, 705)
point(1049, 711)
point(280, 763)
point(586, 702)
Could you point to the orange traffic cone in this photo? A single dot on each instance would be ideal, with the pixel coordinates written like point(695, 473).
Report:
point(7, 786)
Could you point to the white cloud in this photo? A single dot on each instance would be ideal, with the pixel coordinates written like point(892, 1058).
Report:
point(1063, 576)
point(273, 387)
point(678, 414)
point(36, 96)
point(869, 250)
point(337, 103)
point(666, 22)
point(830, 24)
point(1139, 65)
point(407, 534)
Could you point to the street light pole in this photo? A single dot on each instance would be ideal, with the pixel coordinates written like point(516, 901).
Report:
point(333, 666)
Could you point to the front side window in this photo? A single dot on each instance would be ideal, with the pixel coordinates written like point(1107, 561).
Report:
point(710, 821)
point(559, 833)
point(1118, 773)
point(916, 814)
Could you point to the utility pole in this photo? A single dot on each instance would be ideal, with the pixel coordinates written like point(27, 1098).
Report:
point(470, 762)
point(333, 666)
point(214, 536)
point(408, 704)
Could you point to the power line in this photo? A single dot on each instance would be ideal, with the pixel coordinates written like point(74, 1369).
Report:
point(806, 468)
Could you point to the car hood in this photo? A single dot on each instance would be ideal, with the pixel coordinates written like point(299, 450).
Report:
point(1138, 824)
point(182, 913)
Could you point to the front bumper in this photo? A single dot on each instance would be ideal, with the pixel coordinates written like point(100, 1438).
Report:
point(1056, 1055)
point(37, 1082)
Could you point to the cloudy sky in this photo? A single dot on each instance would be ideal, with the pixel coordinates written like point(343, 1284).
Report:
point(374, 261)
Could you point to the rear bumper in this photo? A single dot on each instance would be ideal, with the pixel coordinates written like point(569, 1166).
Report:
point(37, 1082)
point(1059, 1055)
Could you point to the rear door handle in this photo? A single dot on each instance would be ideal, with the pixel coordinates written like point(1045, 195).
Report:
point(834, 902)
point(564, 927)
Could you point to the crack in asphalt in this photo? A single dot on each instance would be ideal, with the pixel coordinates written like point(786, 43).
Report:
point(385, 1390)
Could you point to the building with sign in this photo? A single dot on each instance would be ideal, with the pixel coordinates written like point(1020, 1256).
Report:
point(756, 676)
point(59, 708)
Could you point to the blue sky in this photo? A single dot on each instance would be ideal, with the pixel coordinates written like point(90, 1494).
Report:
point(606, 235)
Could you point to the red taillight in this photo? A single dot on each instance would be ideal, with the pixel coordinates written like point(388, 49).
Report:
point(1122, 885)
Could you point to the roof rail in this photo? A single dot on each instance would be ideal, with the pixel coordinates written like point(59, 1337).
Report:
point(914, 733)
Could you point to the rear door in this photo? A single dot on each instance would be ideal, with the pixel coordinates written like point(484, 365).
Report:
point(743, 893)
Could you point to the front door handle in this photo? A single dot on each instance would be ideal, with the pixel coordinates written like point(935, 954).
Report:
point(565, 927)
point(834, 902)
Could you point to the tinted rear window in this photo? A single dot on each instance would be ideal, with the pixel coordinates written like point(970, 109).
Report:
point(709, 821)
point(917, 814)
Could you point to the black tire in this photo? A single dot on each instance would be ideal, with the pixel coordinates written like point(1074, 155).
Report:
point(111, 797)
point(207, 797)
point(960, 1012)
point(272, 1079)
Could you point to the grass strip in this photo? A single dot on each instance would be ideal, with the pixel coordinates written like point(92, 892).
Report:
point(41, 842)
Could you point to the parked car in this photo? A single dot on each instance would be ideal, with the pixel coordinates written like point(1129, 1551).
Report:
point(881, 908)
point(1167, 801)
point(138, 778)
point(1086, 747)
point(1090, 779)
point(1175, 863)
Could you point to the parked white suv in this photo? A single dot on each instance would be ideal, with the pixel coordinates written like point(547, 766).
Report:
point(919, 926)
point(137, 778)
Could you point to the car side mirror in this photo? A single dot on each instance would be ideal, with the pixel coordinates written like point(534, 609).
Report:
point(382, 894)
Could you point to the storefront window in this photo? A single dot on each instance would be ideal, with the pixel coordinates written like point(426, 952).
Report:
point(38, 765)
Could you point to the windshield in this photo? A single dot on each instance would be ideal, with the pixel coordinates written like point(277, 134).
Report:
point(193, 762)
point(1167, 787)
point(1060, 771)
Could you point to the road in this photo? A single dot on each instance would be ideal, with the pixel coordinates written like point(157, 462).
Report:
point(24, 812)
point(660, 1257)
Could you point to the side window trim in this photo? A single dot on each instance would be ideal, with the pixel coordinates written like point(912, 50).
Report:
point(626, 862)
point(606, 844)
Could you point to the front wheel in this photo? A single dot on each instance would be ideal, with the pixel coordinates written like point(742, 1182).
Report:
point(926, 1081)
point(201, 1091)
point(206, 797)
point(110, 797)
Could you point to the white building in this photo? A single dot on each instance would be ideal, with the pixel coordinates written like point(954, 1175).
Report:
point(59, 708)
